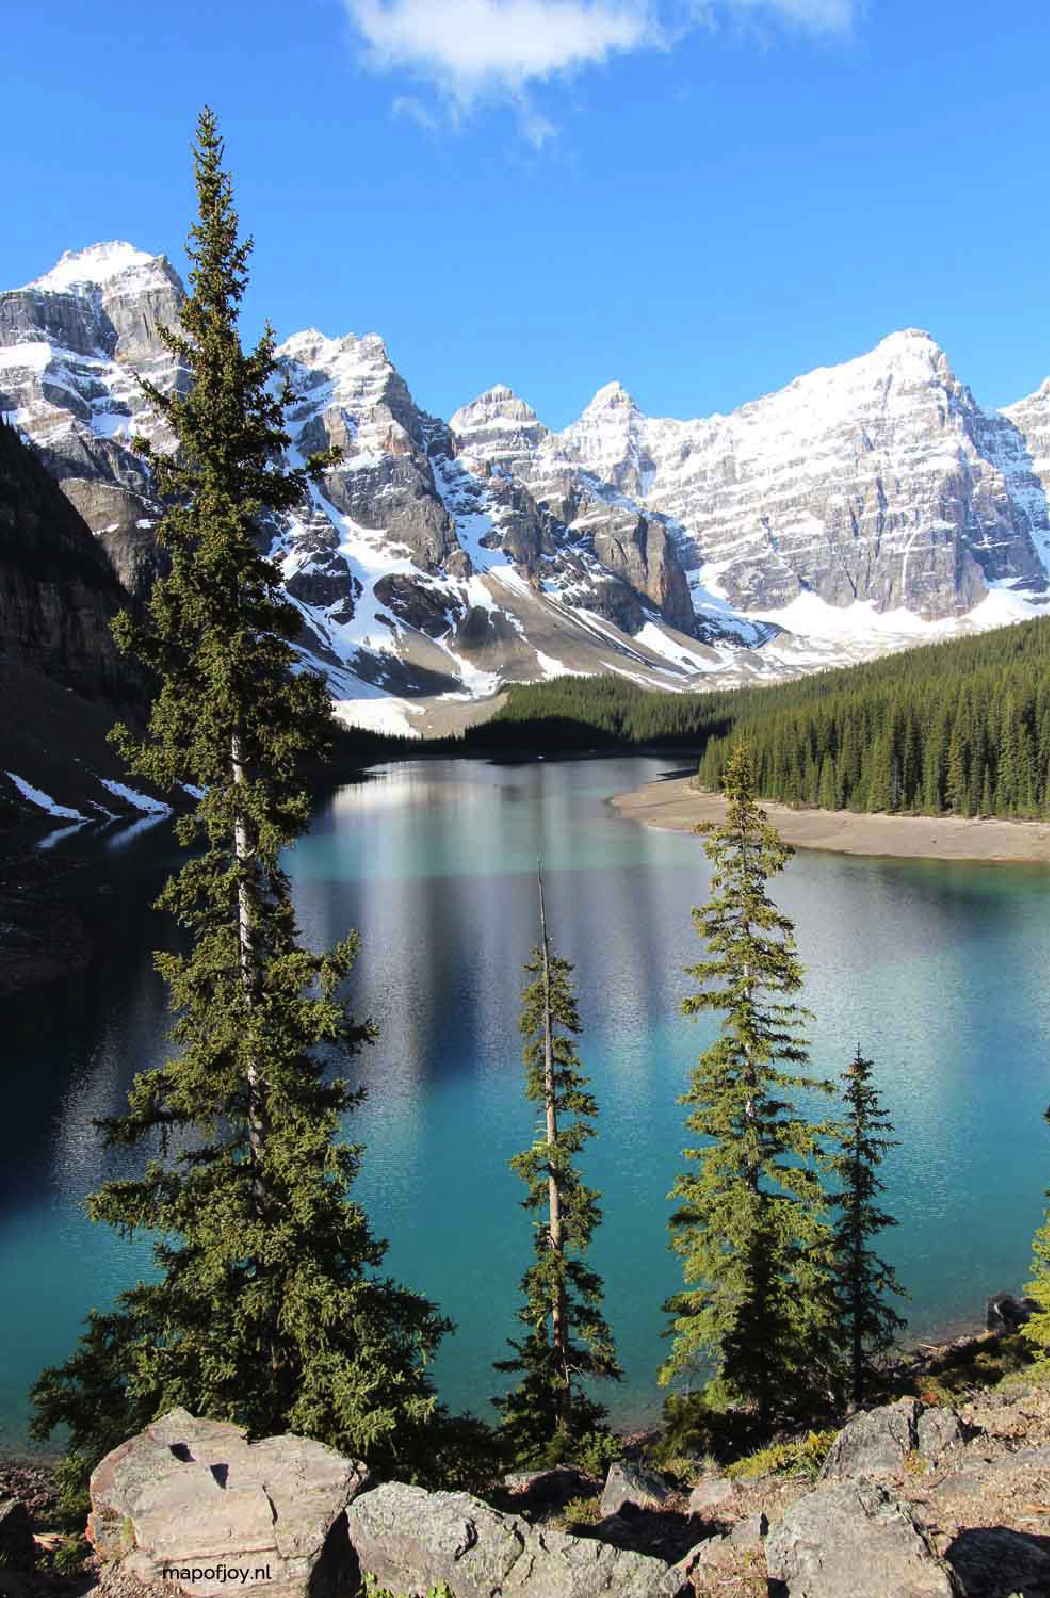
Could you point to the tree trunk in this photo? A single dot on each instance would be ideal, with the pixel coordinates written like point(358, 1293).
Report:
point(244, 853)
point(858, 1282)
point(559, 1319)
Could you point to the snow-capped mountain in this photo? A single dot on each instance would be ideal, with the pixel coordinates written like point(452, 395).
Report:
point(863, 506)
point(880, 479)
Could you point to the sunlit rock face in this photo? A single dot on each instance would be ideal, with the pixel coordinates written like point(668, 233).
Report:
point(881, 479)
point(862, 507)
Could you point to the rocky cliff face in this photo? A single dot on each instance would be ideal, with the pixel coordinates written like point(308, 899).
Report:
point(860, 508)
point(58, 589)
point(879, 480)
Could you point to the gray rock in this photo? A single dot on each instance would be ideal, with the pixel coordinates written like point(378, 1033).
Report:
point(995, 1562)
point(17, 1548)
point(554, 1486)
point(1038, 1457)
point(58, 589)
point(874, 1443)
point(187, 1501)
point(877, 1442)
point(708, 1493)
point(617, 1530)
point(1004, 1312)
point(967, 1481)
point(410, 1540)
point(854, 1540)
point(881, 479)
point(940, 1430)
point(631, 1485)
point(749, 1533)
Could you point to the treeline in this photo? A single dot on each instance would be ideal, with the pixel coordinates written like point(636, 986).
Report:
point(584, 713)
point(961, 727)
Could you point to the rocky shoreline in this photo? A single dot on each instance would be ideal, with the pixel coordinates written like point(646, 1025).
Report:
point(918, 1498)
point(945, 1491)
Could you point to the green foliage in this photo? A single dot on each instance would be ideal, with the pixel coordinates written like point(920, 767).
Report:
point(689, 1427)
point(547, 1417)
point(580, 1514)
point(1036, 1330)
point(370, 1588)
point(72, 1496)
point(801, 1458)
point(269, 1311)
point(596, 1450)
point(750, 1225)
point(962, 726)
point(69, 1557)
point(868, 1327)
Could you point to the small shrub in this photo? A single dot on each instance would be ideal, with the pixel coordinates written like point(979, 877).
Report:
point(801, 1458)
point(696, 1425)
point(596, 1451)
point(69, 1556)
point(582, 1512)
point(914, 1463)
point(687, 1471)
point(372, 1589)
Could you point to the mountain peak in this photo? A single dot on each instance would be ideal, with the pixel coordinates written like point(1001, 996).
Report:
point(500, 408)
point(613, 396)
point(96, 264)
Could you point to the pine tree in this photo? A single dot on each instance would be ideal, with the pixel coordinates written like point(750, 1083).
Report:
point(868, 1325)
point(268, 1311)
point(751, 1226)
point(567, 1339)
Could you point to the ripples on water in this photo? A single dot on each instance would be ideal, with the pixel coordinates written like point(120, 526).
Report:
point(937, 970)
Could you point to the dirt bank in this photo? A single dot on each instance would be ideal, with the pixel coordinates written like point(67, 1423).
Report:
point(677, 806)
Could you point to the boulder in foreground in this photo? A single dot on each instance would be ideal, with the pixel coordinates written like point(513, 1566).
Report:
point(854, 1540)
point(878, 1442)
point(17, 1546)
point(190, 1505)
point(411, 1540)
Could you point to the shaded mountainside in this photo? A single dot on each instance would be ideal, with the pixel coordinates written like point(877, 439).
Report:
point(863, 508)
point(58, 589)
point(63, 681)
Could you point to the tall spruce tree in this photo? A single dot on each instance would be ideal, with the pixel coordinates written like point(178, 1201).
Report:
point(751, 1224)
point(567, 1339)
point(867, 1324)
point(268, 1311)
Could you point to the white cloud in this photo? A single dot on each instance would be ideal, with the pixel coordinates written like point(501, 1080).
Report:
point(474, 47)
point(406, 105)
point(474, 50)
point(819, 16)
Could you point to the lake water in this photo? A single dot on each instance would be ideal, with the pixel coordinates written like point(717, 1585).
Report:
point(939, 971)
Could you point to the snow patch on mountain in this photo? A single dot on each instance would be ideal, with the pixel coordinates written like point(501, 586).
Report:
point(97, 264)
point(43, 801)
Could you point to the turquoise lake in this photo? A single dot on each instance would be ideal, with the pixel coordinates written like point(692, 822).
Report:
point(939, 971)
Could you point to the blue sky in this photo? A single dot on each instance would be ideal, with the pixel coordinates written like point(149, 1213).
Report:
point(700, 199)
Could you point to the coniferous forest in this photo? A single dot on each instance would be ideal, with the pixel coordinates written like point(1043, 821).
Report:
point(960, 727)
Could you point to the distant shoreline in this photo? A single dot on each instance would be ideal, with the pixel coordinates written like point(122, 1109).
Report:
point(677, 806)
